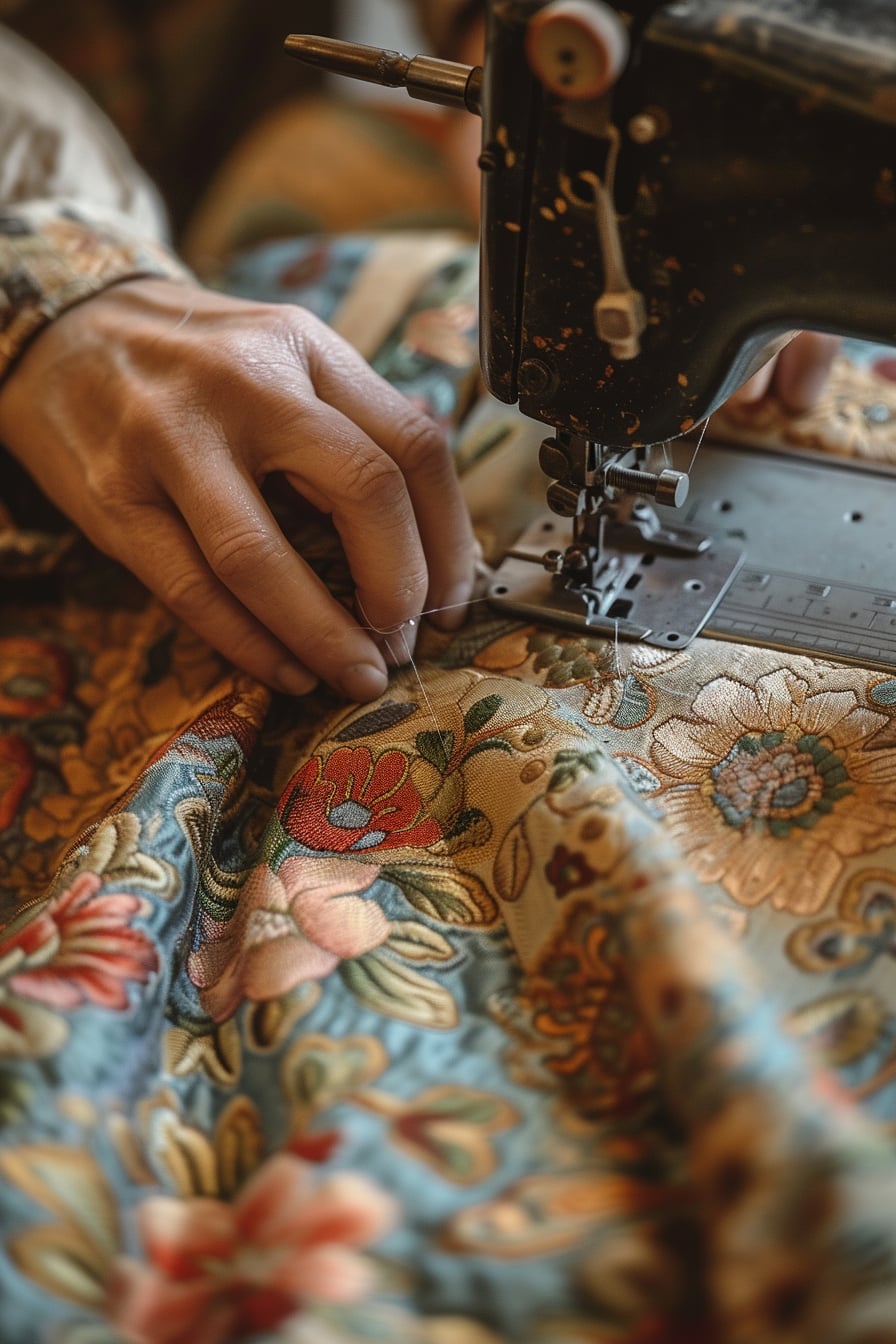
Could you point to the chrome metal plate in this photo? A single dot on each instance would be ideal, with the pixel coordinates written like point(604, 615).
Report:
point(819, 536)
point(820, 539)
point(661, 598)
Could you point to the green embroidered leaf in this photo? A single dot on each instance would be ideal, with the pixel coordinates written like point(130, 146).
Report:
point(470, 828)
point(884, 693)
point(476, 1108)
point(490, 744)
point(448, 895)
point(447, 804)
point(450, 1128)
point(478, 715)
point(513, 864)
point(387, 715)
point(388, 987)
point(436, 748)
point(318, 1072)
point(471, 816)
point(634, 707)
point(568, 765)
point(417, 942)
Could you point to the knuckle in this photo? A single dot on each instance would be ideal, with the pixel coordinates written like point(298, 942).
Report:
point(183, 590)
point(421, 444)
point(374, 478)
point(106, 484)
point(235, 554)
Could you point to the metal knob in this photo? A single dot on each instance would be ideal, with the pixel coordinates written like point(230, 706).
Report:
point(577, 48)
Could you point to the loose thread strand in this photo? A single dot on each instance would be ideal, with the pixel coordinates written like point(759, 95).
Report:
point(426, 700)
point(385, 635)
point(699, 443)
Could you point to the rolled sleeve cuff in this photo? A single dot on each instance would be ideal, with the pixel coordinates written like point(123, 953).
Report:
point(54, 255)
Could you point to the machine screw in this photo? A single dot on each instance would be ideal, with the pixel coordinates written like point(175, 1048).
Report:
point(535, 378)
point(669, 487)
point(643, 128)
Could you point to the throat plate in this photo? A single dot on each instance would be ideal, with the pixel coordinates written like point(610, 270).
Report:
point(659, 597)
point(819, 575)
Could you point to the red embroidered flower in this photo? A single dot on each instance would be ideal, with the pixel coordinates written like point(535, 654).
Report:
point(80, 949)
point(16, 774)
point(221, 1271)
point(352, 802)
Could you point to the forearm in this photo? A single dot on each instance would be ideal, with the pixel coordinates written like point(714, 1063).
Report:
point(76, 212)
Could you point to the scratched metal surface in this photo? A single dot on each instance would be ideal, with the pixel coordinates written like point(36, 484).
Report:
point(820, 570)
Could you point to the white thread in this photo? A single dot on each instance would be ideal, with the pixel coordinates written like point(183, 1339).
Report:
point(399, 630)
point(699, 444)
point(432, 611)
point(426, 700)
point(185, 319)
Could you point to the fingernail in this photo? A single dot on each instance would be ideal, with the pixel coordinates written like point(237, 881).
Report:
point(363, 682)
point(294, 680)
point(451, 613)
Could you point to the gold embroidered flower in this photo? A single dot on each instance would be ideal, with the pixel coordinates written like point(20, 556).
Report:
point(768, 789)
point(559, 659)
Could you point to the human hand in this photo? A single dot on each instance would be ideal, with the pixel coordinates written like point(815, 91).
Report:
point(796, 377)
point(151, 413)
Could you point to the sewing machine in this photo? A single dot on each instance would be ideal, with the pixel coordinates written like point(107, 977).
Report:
point(669, 190)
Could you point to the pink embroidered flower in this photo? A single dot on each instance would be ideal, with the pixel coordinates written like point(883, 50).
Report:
point(291, 926)
point(80, 949)
point(221, 1271)
point(351, 801)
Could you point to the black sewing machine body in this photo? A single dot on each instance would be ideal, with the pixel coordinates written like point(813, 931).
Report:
point(754, 190)
point(670, 188)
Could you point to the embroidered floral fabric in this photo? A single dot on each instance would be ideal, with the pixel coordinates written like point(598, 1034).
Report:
point(549, 1000)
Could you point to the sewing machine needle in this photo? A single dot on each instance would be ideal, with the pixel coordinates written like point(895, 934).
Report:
point(433, 81)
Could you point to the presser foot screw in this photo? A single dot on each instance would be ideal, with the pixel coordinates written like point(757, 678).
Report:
point(669, 487)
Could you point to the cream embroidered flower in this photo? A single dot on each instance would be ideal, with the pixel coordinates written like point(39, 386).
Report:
point(768, 789)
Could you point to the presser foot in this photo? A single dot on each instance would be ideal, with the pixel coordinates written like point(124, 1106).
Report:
point(657, 586)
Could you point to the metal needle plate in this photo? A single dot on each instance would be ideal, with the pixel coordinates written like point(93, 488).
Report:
point(662, 599)
point(819, 576)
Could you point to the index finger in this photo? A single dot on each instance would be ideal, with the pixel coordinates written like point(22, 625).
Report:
point(419, 448)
